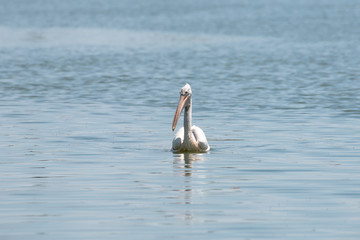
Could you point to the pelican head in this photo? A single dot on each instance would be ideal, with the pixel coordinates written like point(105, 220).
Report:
point(184, 101)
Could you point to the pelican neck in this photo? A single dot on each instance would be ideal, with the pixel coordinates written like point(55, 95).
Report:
point(187, 121)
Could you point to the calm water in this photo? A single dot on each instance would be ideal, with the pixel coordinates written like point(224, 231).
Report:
point(89, 89)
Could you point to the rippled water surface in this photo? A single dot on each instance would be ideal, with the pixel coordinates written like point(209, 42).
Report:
point(89, 89)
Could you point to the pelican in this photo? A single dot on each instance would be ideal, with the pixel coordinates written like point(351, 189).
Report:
point(188, 138)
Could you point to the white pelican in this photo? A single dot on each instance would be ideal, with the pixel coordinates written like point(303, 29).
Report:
point(188, 138)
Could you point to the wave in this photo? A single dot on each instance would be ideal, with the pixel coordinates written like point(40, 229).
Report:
point(53, 37)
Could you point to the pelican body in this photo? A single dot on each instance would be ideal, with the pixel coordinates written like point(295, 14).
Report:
point(188, 138)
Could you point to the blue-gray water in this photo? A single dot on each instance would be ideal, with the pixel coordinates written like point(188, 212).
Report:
point(89, 88)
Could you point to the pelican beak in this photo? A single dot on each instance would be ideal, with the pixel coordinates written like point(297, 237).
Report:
point(179, 109)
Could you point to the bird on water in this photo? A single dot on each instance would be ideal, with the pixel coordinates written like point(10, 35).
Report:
point(188, 138)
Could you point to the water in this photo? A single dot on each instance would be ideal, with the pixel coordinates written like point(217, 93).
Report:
point(89, 89)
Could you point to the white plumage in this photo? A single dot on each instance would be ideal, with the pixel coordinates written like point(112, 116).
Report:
point(188, 138)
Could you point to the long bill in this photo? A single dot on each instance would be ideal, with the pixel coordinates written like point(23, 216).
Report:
point(179, 109)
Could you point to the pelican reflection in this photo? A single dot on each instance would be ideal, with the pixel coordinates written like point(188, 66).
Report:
point(183, 162)
point(183, 166)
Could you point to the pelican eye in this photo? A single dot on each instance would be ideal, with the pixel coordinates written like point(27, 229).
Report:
point(186, 92)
